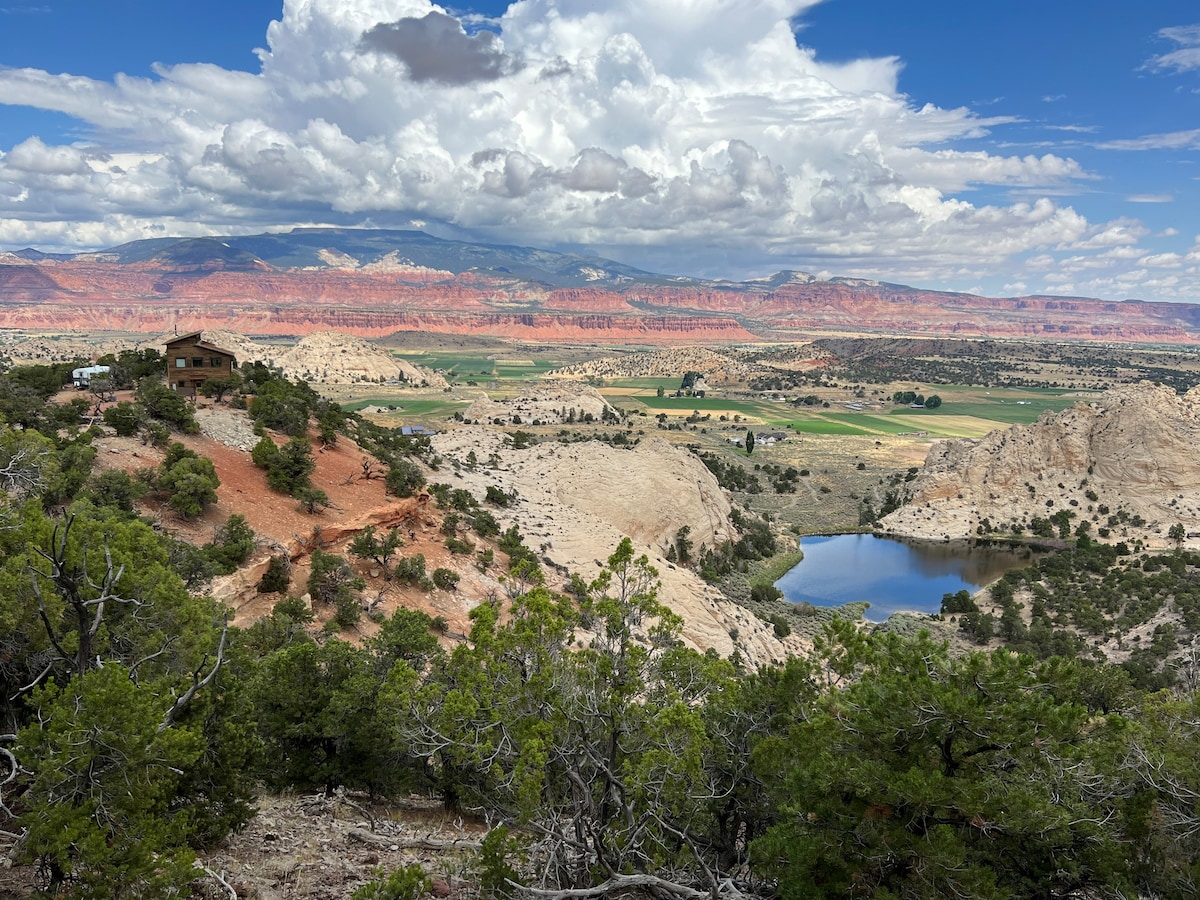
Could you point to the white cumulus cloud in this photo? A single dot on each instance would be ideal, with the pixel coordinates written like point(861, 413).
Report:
point(698, 136)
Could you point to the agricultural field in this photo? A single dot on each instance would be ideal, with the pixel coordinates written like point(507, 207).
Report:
point(848, 435)
point(850, 455)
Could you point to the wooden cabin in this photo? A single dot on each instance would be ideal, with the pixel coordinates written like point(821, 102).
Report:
point(191, 361)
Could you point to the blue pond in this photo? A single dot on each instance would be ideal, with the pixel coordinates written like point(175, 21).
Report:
point(893, 575)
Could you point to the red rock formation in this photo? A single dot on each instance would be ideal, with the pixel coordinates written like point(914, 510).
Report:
point(255, 298)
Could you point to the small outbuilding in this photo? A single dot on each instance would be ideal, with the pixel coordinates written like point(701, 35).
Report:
point(82, 377)
point(191, 361)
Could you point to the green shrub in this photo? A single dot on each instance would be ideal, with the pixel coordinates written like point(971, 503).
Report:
point(164, 404)
point(411, 569)
point(189, 481)
point(458, 546)
point(232, 546)
point(495, 872)
point(446, 579)
point(765, 593)
point(497, 496)
point(288, 467)
point(407, 883)
point(125, 418)
point(404, 478)
point(116, 489)
point(277, 578)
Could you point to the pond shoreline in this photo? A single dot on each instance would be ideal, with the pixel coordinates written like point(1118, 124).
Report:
point(899, 574)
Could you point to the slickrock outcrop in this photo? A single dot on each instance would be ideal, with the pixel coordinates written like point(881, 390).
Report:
point(574, 503)
point(551, 404)
point(715, 366)
point(331, 357)
point(1129, 454)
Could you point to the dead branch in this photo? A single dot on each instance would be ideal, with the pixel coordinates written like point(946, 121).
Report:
point(219, 880)
point(73, 583)
point(619, 883)
point(379, 840)
point(340, 796)
point(21, 474)
point(14, 769)
point(197, 683)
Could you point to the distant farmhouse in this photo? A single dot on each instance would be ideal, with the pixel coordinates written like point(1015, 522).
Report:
point(191, 361)
point(769, 438)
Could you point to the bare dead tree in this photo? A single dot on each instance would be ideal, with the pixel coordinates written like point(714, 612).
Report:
point(21, 472)
point(85, 597)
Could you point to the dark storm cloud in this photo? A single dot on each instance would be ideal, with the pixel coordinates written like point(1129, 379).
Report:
point(436, 48)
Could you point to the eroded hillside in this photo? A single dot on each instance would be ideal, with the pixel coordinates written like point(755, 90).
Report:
point(572, 502)
point(1122, 466)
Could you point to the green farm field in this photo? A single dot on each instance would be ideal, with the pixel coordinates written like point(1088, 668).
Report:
point(851, 453)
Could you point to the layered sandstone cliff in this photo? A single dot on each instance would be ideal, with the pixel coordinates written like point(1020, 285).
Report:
point(205, 284)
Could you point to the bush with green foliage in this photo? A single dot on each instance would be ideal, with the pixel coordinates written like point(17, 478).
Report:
point(166, 405)
point(188, 480)
point(921, 757)
point(312, 500)
point(278, 577)
point(332, 582)
point(232, 545)
point(446, 579)
point(407, 883)
point(130, 366)
point(765, 593)
point(217, 388)
point(411, 569)
point(282, 405)
point(125, 418)
point(117, 489)
point(129, 754)
point(494, 863)
point(497, 496)
point(380, 550)
point(316, 709)
point(404, 478)
point(288, 467)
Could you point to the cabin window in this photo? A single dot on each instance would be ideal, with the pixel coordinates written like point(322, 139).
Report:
point(215, 362)
point(180, 362)
point(197, 362)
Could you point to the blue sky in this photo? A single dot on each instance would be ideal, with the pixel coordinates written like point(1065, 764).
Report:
point(1013, 148)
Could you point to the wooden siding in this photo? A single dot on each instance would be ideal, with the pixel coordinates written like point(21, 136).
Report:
point(191, 361)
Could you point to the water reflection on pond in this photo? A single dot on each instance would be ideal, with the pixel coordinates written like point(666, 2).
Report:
point(895, 575)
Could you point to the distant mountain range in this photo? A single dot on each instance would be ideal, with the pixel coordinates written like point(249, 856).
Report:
point(373, 283)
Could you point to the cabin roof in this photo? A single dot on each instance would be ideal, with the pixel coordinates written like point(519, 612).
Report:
point(196, 339)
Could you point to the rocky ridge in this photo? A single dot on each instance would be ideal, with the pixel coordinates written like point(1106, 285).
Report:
point(574, 502)
point(670, 363)
point(553, 403)
point(1128, 453)
point(327, 357)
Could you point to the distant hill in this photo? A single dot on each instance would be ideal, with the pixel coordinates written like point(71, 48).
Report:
point(374, 283)
point(357, 248)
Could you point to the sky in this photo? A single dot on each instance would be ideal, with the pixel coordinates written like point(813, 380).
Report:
point(1005, 149)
